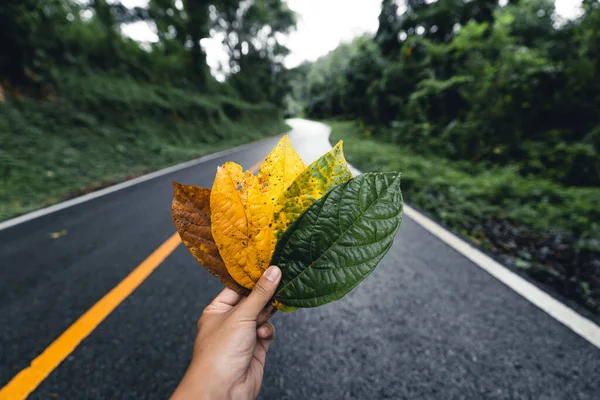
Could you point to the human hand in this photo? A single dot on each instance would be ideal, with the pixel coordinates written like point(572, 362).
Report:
point(231, 345)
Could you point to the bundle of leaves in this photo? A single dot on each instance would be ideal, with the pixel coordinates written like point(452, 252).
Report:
point(326, 230)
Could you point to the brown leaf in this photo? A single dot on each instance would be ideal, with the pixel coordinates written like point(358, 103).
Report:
point(191, 216)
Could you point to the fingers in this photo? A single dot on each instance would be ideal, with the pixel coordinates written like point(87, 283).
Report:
point(265, 314)
point(266, 332)
point(261, 294)
point(224, 300)
point(229, 297)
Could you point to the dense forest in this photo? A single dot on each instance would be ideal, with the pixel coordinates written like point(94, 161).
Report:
point(491, 112)
point(42, 39)
point(474, 81)
point(83, 106)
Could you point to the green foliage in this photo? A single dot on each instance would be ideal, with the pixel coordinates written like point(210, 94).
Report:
point(500, 86)
point(44, 37)
point(554, 228)
point(339, 240)
point(82, 106)
point(325, 91)
point(100, 129)
point(387, 32)
point(252, 31)
point(27, 32)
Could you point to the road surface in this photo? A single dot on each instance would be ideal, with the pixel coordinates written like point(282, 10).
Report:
point(427, 324)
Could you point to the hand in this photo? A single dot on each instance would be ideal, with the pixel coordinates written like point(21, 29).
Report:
point(232, 343)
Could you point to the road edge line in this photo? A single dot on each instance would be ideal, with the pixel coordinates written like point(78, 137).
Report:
point(9, 223)
point(28, 379)
point(562, 313)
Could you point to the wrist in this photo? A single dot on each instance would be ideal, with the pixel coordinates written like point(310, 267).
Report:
point(198, 384)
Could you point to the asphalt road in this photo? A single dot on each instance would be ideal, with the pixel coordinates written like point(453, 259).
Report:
point(427, 324)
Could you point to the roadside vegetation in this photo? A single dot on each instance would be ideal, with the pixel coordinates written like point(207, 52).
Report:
point(492, 114)
point(82, 106)
point(101, 130)
point(534, 225)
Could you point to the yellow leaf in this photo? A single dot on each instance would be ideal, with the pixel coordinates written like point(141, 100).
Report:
point(281, 167)
point(282, 307)
point(56, 235)
point(191, 216)
point(242, 211)
point(321, 176)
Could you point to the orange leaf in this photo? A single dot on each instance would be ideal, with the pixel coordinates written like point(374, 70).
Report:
point(242, 211)
point(191, 216)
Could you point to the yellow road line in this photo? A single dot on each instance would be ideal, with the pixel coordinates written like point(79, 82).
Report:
point(29, 379)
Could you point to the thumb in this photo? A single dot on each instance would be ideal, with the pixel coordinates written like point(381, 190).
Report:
point(262, 293)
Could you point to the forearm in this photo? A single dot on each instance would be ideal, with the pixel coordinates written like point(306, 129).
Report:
point(198, 385)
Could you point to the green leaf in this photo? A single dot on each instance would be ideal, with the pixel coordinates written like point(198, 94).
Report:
point(338, 240)
point(522, 264)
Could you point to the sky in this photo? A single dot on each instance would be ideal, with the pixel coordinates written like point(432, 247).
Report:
point(322, 25)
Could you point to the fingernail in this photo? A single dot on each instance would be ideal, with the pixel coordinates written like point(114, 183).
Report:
point(272, 273)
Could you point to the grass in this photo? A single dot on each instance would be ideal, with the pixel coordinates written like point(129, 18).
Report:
point(550, 231)
point(99, 130)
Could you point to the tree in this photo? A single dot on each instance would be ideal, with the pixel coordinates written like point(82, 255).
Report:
point(439, 20)
point(251, 31)
point(387, 32)
point(28, 29)
point(180, 26)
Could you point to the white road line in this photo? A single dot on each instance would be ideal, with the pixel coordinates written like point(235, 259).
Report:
point(557, 310)
point(123, 185)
